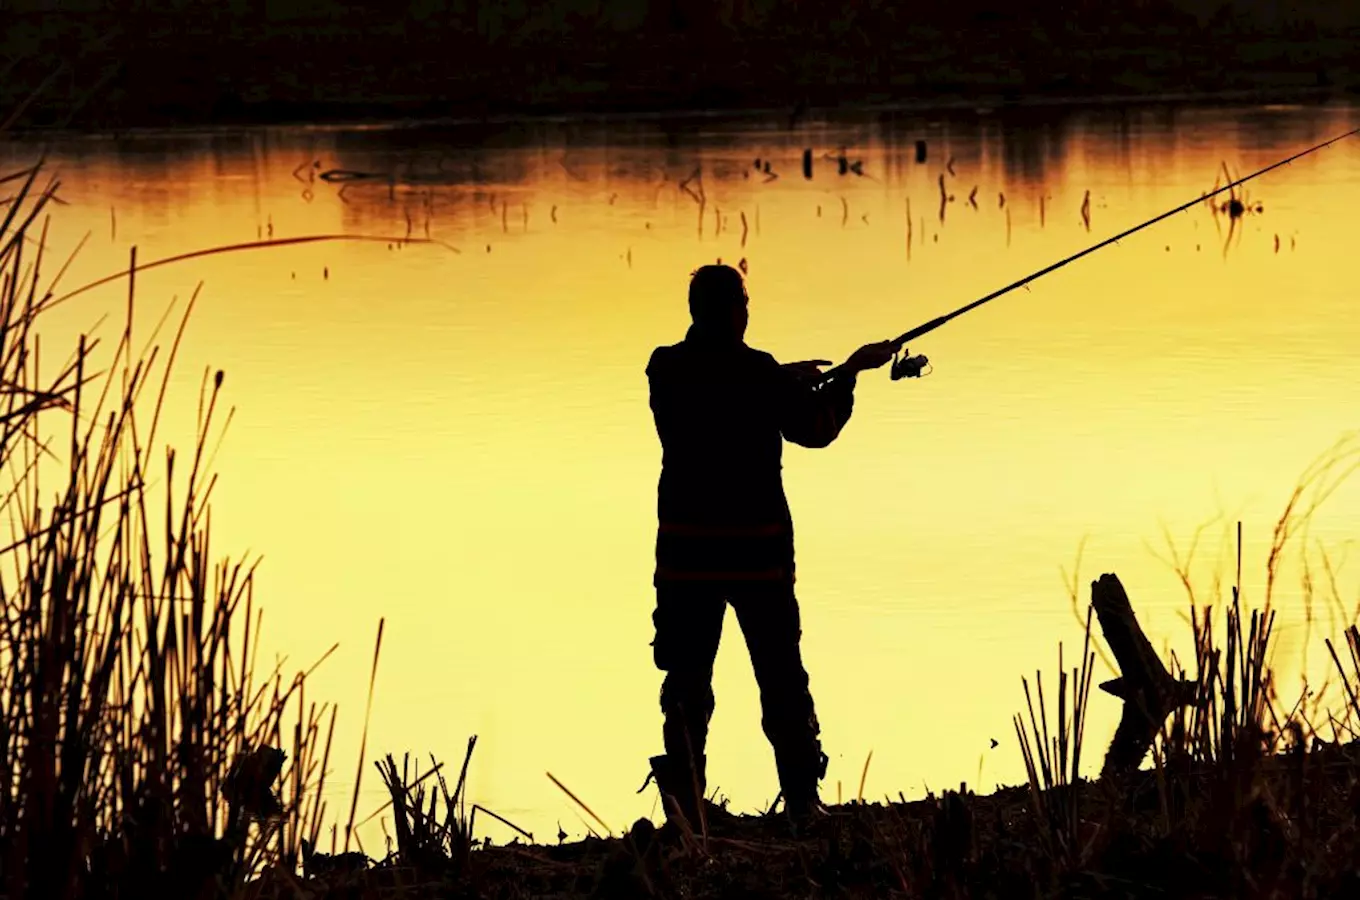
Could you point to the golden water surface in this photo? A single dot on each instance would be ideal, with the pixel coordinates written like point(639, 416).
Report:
point(455, 437)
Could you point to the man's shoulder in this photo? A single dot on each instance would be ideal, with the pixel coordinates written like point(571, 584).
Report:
point(663, 355)
point(670, 361)
point(759, 361)
point(761, 357)
point(678, 354)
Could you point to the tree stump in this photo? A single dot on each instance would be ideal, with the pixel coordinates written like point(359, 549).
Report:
point(1149, 692)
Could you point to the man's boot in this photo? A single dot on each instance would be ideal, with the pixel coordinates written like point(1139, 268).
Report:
point(798, 778)
point(677, 783)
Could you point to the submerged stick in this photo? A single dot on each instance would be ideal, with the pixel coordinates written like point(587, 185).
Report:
point(232, 248)
point(1148, 690)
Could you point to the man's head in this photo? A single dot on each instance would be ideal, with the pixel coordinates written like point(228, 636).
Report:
point(717, 301)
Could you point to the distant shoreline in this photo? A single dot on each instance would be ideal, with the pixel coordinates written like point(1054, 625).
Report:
point(121, 74)
point(405, 115)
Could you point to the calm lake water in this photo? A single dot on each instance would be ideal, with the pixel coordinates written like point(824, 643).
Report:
point(459, 440)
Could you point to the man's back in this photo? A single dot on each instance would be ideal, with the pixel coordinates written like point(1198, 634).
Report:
point(722, 412)
point(720, 437)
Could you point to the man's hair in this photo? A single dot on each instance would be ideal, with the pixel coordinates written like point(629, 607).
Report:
point(714, 291)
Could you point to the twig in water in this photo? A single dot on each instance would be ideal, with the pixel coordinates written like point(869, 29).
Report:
point(697, 176)
point(744, 230)
point(230, 248)
point(908, 229)
point(343, 176)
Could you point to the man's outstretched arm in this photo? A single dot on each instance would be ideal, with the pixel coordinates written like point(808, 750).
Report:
point(815, 418)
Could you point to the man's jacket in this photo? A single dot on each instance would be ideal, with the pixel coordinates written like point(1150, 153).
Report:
point(723, 411)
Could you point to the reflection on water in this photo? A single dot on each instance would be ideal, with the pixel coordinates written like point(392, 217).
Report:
point(460, 441)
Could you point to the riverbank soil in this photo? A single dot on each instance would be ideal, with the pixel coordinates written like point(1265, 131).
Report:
point(1254, 827)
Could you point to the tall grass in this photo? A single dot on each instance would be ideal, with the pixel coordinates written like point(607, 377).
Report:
point(1233, 777)
point(147, 754)
point(1053, 758)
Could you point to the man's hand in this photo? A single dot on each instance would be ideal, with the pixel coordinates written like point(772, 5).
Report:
point(871, 356)
point(808, 368)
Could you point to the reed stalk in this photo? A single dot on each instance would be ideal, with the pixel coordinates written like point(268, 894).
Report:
point(148, 752)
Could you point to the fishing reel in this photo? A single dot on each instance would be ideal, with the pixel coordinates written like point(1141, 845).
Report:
point(908, 366)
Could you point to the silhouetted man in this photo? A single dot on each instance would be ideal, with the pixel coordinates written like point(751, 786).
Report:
point(723, 411)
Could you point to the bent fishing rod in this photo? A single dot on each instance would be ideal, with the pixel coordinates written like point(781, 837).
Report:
point(913, 366)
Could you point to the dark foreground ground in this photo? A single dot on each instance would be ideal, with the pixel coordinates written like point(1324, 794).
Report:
point(160, 70)
point(1281, 827)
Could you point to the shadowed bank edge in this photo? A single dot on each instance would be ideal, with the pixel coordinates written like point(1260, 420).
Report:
point(147, 755)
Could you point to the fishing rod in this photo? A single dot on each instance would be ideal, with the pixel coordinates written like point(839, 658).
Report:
point(912, 366)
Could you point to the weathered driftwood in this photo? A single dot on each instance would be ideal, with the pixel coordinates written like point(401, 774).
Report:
point(1148, 690)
